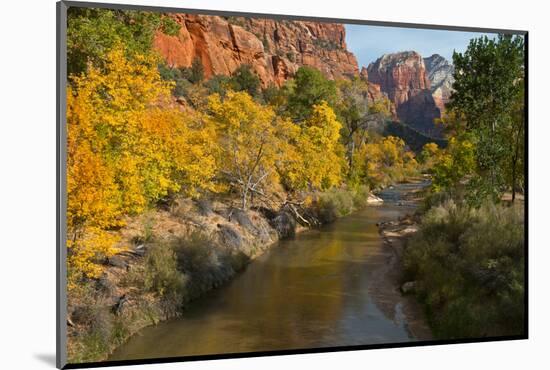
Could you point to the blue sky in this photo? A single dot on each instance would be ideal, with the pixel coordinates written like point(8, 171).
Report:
point(368, 43)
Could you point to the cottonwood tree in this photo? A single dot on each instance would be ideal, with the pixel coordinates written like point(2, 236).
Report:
point(487, 93)
point(321, 160)
point(126, 149)
point(253, 141)
point(382, 160)
point(353, 110)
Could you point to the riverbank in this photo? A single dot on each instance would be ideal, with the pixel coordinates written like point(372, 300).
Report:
point(311, 291)
point(177, 253)
point(451, 254)
point(465, 266)
point(393, 295)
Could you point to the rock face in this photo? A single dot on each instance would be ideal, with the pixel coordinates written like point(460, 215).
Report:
point(440, 73)
point(375, 93)
point(274, 49)
point(403, 77)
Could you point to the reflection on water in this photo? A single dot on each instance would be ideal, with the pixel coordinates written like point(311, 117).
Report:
point(311, 291)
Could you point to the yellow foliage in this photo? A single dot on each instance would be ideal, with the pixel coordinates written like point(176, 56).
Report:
point(430, 155)
point(382, 161)
point(321, 163)
point(84, 251)
point(454, 164)
point(126, 147)
point(254, 143)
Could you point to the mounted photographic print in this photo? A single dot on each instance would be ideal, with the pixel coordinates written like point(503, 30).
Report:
point(234, 184)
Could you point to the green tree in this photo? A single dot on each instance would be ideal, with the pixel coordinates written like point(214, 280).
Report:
point(195, 74)
point(218, 84)
point(244, 79)
point(515, 174)
point(92, 32)
point(488, 95)
point(310, 88)
point(353, 109)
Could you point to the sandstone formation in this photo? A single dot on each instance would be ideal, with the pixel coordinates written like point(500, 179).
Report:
point(375, 93)
point(440, 73)
point(403, 77)
point(274, 49)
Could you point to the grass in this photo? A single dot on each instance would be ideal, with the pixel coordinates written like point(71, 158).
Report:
point(469, 267)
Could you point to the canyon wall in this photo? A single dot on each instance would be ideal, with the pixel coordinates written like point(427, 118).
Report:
point(440, 73)
point(274, 49)
point(404, 78)
point(418, 87)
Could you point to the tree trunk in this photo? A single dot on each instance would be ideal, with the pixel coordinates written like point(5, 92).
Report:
point(351, 151)
point(245, 195)
point(514, 163)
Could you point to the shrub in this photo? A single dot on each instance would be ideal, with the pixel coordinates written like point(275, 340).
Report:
point(161, 273)
point(333, 204)
point(469, 267)
point(326, 44)
point(245, 79)
point(169, 26)
point(291, 56)
point(205, 263)
point(218, 84)
point(93, 318)
point(147, 235)
point(361, 196)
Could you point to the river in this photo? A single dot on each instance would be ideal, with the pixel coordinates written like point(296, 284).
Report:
point(320, 289)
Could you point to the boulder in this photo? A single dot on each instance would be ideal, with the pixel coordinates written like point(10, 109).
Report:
point(120, 306)
point(117, 261)
point(285, 224)
point(373, 199)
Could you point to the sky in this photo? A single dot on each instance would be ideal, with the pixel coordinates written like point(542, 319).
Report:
point(368, 43)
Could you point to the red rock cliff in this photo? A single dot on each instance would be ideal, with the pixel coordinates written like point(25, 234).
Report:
point(403, 77)
point(274, 49)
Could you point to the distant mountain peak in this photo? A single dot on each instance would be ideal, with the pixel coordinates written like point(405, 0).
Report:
point(410, 57)
point(440, 73)
point(403, 77)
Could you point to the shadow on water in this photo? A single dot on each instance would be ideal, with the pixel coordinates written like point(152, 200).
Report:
point(311, 291)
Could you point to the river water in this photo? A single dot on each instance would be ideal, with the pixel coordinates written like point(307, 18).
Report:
point(311, 291)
